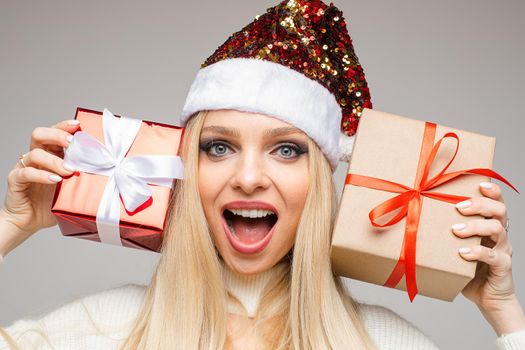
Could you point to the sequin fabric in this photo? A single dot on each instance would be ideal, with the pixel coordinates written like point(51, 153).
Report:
point(311, 38)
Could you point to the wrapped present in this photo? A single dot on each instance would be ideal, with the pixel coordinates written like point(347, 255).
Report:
point(396, 211)
point(121, 191)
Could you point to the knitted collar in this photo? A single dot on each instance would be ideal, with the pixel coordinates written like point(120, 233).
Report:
point(247, 289)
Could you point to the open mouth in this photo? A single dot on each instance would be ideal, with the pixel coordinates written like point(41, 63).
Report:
point(249, 226)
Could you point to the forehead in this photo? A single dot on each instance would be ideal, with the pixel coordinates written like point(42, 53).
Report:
point(239, 119)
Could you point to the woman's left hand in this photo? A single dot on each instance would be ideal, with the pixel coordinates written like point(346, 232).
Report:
point(492, 288)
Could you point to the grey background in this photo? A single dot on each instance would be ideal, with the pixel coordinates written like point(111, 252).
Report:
point(458, 63)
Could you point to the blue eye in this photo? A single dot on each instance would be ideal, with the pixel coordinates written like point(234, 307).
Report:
point(289, 151)
point(218, 149)
point(215, 149)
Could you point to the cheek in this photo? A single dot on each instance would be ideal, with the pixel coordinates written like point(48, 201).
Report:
point(205, 187)
point(208, 187)
point(212, 180)
point(294, 189)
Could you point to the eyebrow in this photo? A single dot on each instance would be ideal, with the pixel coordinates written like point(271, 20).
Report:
point(222, 130)
point(268, 133)
point(281, 131)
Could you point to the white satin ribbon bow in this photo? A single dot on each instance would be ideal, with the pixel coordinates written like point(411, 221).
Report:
point(128, 176)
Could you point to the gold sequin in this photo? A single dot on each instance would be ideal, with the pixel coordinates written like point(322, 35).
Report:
point(311, 38)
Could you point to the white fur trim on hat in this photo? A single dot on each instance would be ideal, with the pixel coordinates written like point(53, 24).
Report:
point(346, 146)
point(265, 87)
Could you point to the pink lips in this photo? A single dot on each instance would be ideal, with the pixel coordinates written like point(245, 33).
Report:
point(238, 245)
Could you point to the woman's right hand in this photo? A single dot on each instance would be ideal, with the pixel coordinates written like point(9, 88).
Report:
point(30, 191)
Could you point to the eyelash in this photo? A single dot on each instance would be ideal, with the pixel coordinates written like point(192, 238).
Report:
point(207, 146)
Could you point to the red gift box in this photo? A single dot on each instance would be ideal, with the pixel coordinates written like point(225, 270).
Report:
point(78, 197)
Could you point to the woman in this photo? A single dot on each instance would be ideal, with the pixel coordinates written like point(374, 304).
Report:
point(245, 259)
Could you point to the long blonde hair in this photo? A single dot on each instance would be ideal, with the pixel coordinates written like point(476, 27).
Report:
point(305, 307)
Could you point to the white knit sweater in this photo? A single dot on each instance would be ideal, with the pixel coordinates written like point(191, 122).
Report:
point(113, 310)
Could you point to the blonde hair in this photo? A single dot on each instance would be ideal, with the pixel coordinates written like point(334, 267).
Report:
point(304, 307)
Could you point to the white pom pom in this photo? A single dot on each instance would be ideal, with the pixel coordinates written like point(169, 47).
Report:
point(346, 145)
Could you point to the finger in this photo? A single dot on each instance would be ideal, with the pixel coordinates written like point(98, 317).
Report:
point(56, 150)
point(40, 159)
point(19, 178)
point(484, 206)
point(69, 125)
point(498, 261)
point(491, 190)
point(50, 136)
point(491, 228)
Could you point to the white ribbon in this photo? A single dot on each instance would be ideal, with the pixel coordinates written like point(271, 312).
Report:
point(128, 176)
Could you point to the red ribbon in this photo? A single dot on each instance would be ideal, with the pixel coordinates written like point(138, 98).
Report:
point(409, 202)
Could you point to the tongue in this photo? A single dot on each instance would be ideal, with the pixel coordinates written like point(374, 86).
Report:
point(251, 230)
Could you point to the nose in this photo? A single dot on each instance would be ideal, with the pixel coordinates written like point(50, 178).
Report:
point(250, 173)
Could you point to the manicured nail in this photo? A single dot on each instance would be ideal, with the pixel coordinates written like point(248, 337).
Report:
point(68, 167)
point(464, 204)
point(73, 122)
point(486, 185)
point(464, 250)
point(69, 138)
point(55, 178)
point(459, 227)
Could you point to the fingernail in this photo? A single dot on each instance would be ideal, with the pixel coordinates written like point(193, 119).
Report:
point(464, 204)
point(486, 185)
point(73, 122)
point(55, 178)
point(68, 167)
point(464, 250)
point(459, 227)
point(69, 138)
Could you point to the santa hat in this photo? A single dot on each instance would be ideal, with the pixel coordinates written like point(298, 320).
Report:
point(296, 63)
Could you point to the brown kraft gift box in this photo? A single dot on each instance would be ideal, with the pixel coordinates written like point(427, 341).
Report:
point(388, 147)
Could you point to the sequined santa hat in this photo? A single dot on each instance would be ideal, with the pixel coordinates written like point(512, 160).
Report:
point(296, 63)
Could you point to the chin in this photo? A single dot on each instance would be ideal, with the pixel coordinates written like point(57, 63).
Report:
point(246, 266)
point(249, 265)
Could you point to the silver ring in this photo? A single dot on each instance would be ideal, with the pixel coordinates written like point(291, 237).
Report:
point(507, 225)
point(21, 158)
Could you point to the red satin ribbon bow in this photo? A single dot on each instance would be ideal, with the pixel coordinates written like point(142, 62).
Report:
point(409, 202)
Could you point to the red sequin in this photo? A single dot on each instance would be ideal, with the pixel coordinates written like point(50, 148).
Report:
point(311, 38)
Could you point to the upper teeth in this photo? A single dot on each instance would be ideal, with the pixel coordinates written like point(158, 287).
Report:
point(252, 213)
